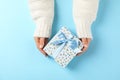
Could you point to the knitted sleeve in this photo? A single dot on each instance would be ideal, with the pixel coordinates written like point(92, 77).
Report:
point(84, 13)
point(42, 12)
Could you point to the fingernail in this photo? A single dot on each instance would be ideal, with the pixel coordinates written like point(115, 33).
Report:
point(41, 46)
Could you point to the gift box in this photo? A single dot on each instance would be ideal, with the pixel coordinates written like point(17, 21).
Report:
point(63, 47)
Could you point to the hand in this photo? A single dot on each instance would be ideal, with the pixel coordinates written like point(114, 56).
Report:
point(40, 43)
point(86, 42)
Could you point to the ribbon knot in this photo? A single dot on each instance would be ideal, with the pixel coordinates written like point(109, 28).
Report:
point(63, 40)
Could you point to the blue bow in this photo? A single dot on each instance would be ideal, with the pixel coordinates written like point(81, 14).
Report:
point(63, 41)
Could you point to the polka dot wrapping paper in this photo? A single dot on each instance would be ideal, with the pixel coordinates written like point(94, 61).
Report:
point(63, 47)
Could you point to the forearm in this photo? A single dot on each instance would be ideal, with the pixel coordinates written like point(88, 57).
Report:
point(42, 12)
point(84, 13)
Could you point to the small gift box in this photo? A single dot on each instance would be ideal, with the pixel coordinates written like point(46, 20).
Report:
point(63, 47)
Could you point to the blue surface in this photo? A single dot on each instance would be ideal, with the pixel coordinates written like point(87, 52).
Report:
point(20, 59)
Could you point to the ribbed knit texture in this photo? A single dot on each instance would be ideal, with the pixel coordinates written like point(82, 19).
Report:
point(84, 13)
point(42, 12)
point(43, 28)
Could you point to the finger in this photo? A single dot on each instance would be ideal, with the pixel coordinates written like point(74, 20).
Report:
point(46, 41)
point(88, 40)
point(43, 52)
point(79, 54)
point(84, 41)
point(85, 44)
point(42, 42)
point(41, 46)
point(37, 41)
point(84, 48)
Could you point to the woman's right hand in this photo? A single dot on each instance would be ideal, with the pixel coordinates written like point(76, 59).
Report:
point(86, 42)
point(40, 43)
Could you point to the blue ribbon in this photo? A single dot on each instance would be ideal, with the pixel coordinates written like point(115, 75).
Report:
point(63, 40)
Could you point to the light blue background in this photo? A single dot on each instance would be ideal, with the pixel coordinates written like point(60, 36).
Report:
point(20, 59)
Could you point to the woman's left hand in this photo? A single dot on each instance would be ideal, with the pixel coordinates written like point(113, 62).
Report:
point(86, 42)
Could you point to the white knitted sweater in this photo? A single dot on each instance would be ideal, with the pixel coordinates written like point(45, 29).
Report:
point(84, 13)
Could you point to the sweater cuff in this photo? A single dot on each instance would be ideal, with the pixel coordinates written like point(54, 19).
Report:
point(83, 28)
point(43, 28)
